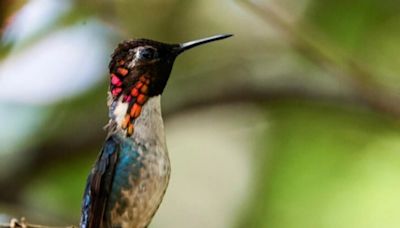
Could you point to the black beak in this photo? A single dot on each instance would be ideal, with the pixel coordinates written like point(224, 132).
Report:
point(191, 44)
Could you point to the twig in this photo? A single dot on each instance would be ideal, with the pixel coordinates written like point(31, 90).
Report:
point(344, 68)
point(14, 223)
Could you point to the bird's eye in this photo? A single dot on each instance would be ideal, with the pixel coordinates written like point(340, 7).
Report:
point(147, 54)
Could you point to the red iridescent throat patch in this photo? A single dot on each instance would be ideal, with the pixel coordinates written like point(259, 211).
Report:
point(136, 95)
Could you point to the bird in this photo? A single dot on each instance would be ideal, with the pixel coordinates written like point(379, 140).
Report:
point(128, 181)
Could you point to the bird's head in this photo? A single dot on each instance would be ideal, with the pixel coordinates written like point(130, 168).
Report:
point(139, 70)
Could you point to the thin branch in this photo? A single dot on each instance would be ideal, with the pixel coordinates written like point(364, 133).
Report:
point(348, 70)
point(14, 223)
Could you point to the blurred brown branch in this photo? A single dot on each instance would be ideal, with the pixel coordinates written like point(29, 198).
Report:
point(65, 149)
point(7, 11)
point(3, 14)
point(346, 69)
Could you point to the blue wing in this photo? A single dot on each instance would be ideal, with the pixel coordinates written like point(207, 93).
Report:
point(99, 185)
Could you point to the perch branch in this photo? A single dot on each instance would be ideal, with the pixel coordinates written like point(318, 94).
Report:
point(15, 223)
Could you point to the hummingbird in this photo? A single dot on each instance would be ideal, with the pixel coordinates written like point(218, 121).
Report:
point(128, 181)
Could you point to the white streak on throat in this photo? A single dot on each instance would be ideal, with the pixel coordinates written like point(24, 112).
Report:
point(119, 111)
point(148, 127)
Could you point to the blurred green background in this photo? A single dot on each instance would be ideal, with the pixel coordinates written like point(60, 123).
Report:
point(292, 123)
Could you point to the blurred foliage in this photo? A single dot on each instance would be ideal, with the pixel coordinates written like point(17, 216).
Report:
point(325, 73)
point(328, 166)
